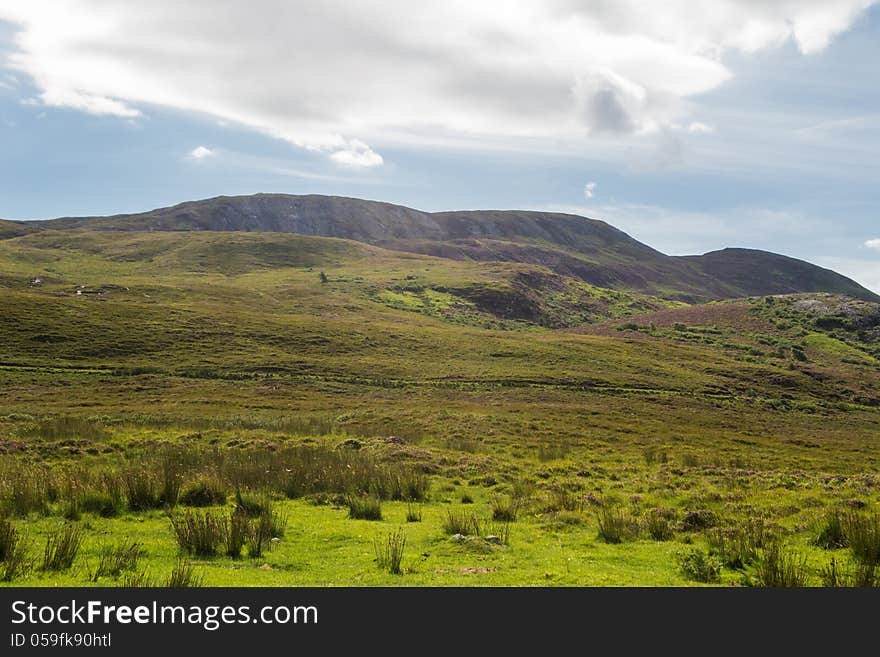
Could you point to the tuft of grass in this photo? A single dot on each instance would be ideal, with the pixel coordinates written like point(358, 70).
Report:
point(698, 566)
point(779, 567)
point(831, 535)
point(505, 509)
point(62, 546)
point(137, 579)
point(389, 551)
point(237, 531)
point(466, 523)
point(183, 576)
point(616, 525)
point(200, 534)
point(658, 525)
point(413, 513)
point(740, 546)
point(203, 492)
point(263, 530)
point(113, 560)
point(141, 490)
point(106, 504)
point(862, 536)
point(14, 561)
point(364, 507)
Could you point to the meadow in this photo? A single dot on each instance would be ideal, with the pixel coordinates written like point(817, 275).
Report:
point(265, 409)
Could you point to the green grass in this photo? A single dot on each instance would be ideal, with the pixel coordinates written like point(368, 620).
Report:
point(211, 374)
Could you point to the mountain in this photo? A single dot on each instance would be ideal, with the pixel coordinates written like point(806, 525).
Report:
point(586, 249)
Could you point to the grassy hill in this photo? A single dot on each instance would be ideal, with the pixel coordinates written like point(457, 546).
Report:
point(519, 424)
point(569, 245)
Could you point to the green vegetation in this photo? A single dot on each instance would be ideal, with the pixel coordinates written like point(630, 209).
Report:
point(203, 408)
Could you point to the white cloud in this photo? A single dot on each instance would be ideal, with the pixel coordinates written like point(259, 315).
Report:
point(873, 244)
point(342, 77)
point(589, 190)
point(200, 152)
point(357, 155)
point(699, 128)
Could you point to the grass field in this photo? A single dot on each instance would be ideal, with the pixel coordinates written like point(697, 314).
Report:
point(510, 426)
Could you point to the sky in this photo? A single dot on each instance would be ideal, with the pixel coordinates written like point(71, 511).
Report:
point(690, 126)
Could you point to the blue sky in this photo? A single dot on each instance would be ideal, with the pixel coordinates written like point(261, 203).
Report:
point(746, 126)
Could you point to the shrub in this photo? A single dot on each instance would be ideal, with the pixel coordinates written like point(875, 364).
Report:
point(200, 534)
point(62, 546)
point(781, 568)
point(182, 576)
point(698, 566)
point(364, 508)
point(616, 526)
point(204, 492)
point(389, 551)
point(114, 560)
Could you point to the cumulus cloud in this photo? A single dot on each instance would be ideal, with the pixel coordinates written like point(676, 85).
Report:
point(357, 154)
point(342, 77)
point(873, 244)
point(200, 152)
point(589, 190)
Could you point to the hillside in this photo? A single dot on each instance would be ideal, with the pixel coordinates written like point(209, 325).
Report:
point(573, 246)
point(495, 412)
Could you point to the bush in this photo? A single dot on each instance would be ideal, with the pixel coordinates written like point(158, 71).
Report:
point(204, 492)
point(698, 566)
point(616, 526)
point(389, 551)
point(200, 534)
point(364, 508)
point(62, 546)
